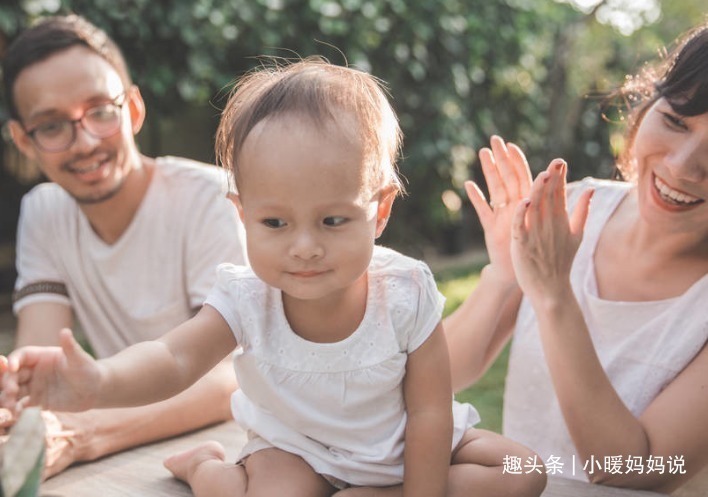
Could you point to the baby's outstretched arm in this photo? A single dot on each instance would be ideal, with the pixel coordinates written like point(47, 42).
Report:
point(67, 378)
point(63, 378)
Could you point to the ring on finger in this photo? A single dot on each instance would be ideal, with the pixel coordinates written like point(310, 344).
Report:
point(499, 205)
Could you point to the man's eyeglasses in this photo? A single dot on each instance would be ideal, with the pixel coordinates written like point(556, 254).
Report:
point(100, 121)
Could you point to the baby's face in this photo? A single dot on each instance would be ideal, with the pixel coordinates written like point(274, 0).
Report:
point(311, 221)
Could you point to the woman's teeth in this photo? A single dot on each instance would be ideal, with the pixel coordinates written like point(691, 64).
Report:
point(669, 194)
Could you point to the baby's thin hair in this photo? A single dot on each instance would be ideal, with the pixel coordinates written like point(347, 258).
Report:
point(313, 88)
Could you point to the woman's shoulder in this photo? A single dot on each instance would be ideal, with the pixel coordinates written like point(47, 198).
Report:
point(607, 191)
point(599, 184)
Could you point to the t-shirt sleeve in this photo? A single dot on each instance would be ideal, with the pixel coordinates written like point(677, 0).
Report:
point(224, 297)
point(216, 236)
point(39, 277)
point(429, 309)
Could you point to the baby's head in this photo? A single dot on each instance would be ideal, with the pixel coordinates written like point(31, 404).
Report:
point(312, 149)
point(324, 95)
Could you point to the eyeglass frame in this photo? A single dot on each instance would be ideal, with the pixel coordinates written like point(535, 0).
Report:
point(79, 121)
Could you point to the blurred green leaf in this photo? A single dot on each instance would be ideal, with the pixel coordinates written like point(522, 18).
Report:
point(23, 456)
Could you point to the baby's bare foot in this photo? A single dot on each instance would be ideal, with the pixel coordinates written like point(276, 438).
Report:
point(184, 464)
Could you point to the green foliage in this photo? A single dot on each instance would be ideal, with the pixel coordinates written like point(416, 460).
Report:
point(23, 456)
point(486, 395)
point(458, 71)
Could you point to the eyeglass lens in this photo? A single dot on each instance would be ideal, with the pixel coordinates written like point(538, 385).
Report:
point(101, 121)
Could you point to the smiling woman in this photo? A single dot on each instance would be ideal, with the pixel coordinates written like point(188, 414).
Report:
point(609, 358)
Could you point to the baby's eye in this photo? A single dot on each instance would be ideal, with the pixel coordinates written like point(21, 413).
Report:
point(273, 223)
point(334, 220)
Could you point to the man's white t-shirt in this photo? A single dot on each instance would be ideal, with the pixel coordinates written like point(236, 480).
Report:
point(153, 278)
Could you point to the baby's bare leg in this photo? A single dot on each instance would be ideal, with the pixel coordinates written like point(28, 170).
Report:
point(478, 468)
point(204, 469)
point(276, 472)
point(395, 491)
point(266, 472)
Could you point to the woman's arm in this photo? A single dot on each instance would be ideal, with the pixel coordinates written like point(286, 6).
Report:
point(545, 240)
point(479, 328)
point(599, 423)
point(428, 436)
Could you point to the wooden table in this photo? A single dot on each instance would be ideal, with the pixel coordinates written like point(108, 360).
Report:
point(139, 472)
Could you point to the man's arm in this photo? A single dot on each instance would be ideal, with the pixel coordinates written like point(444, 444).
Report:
point(99, 432)
point(39, 323)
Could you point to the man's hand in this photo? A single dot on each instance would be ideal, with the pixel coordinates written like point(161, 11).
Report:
point(60, 443)
point(60, 452)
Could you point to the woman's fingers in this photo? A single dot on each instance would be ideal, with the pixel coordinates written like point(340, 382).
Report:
point(521, 169)
point(557, 169)
point(479, 202)
point(537, 199)
point(580, 213)
point(506, 171)
point(518, 222)
point(495, 183)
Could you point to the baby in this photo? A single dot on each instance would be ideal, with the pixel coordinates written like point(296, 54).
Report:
point(343, 369)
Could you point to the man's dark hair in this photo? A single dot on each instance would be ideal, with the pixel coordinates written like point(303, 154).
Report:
point(51, 35)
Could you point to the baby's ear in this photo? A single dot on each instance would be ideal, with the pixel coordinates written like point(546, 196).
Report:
point(236, 200)
point(386, 198)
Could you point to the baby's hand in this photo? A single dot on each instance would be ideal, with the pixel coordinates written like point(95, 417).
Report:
point(63, 378)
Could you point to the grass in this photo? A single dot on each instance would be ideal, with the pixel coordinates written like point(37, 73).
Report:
point(487, 394)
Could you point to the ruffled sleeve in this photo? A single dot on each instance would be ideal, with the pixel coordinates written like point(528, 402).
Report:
point(227, 294)
point(429, 308)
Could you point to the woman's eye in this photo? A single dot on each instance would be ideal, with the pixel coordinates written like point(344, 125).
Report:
point(274, 223)
point(334, 220)
point(674, 121)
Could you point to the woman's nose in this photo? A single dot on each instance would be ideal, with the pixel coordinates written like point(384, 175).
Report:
point(689, 160)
